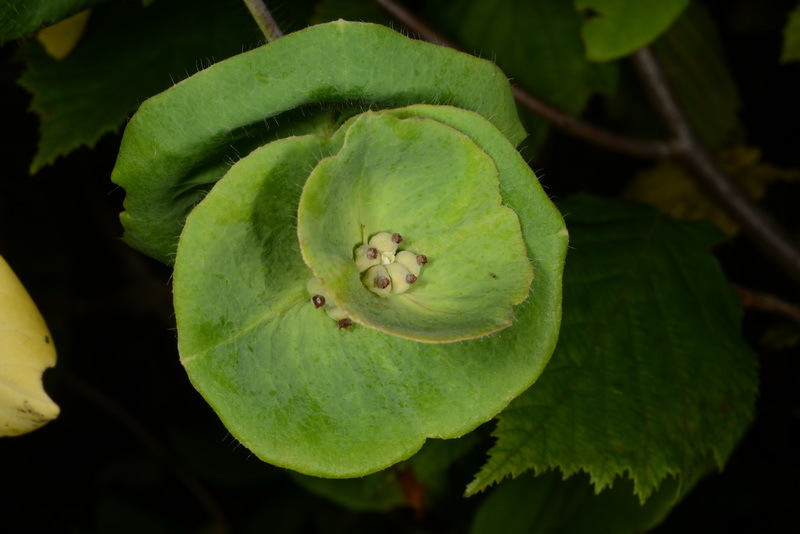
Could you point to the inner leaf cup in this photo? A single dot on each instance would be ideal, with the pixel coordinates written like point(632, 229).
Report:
point(432, 185)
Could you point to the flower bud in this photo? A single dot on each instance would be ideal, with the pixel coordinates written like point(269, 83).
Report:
point(409, 261)
point(386, 243)
point(401, 277)
point(377, 280)
point(366, 256)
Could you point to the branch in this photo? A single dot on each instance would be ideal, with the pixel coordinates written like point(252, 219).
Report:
point(264, 19)
point(756, 222)
point(572, 125)
point(767, 303)
point(567, 123)
point(683, 146)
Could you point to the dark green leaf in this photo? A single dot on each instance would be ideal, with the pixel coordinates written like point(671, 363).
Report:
point(614, 29)
point(21, 17)
point(547, 504)
point(127, 54)
point(791, 36)
point(698, 74)
point(537, 43)
point(650, 375)
point(384, 490)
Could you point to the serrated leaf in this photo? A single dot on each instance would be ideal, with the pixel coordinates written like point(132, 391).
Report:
point(26, 350)
point(791, 37)
point(537, 43)
point(615, 28)
point(548, 504)
point(651, 374)
point(127, 54)
point(359, 66)
point(19, 18)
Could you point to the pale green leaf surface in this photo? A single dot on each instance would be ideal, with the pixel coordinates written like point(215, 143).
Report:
point(616, 28)
point(651, 374)
point(391, 175)
point(537, 43)
point(791, 37)
point(178, 143)
point(19, 18)
point(127, 54)
point(303, 394)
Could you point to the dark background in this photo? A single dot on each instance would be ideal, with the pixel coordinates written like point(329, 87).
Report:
point(137, 449)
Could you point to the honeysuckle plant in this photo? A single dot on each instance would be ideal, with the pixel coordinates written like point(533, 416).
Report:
point(363, 262)
point(362, 259)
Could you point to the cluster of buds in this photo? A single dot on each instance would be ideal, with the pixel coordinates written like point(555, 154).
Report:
point(385, 269)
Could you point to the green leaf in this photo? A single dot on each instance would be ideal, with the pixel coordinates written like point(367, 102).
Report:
point(19, 18)
point(693, 59)
point(180, 142)
point(290, 385)
point(651, 374)
point(791, 36)
point(547, 504)
point(694, 63)
point(616, 28)
point(391, 175)
point(537, 43)
point(119, 63)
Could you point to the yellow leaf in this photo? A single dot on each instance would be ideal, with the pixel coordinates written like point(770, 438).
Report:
point(60, 38)
point(668, 187)
point(26, 350)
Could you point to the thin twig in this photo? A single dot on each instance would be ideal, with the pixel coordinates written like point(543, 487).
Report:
point(570, 124)
point(264, 19)
point(767, 303)
point(690, 152)
point(415, 24)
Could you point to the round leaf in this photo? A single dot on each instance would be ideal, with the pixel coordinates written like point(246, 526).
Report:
point(393, 175)
point(286, 381)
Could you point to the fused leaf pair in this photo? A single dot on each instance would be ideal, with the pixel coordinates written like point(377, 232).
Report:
point(365, 148)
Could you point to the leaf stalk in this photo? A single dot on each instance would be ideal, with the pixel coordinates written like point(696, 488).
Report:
point(264, 19)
